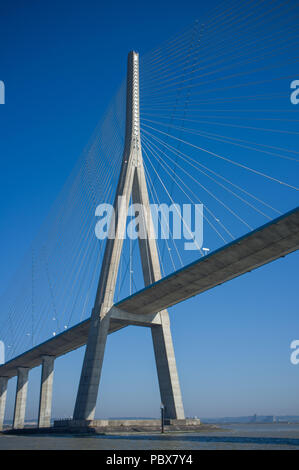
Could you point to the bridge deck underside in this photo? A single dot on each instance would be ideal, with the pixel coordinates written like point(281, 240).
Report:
point(262, 246)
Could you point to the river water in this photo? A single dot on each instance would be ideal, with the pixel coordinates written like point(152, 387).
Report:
point(232, 436)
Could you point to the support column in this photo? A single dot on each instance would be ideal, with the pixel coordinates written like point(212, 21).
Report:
point(3, 393)
point(46, 387)
point(169, 385)
point(92, 367)
point(21, 397)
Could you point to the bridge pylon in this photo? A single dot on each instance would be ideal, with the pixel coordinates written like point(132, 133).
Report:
point(132, 182)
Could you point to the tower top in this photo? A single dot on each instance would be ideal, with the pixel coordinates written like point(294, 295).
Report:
point(132, 111)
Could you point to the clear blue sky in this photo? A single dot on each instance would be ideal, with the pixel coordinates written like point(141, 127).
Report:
point(61, 62)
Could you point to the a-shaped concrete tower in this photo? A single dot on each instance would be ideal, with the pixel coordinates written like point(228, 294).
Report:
point(131, 182)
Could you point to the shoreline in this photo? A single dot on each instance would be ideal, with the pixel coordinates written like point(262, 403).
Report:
point(113, 430)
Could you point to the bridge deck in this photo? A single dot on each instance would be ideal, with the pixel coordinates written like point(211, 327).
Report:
point(269, 242)
point(278, 238)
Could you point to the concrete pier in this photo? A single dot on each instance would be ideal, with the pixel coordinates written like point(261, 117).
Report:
point(45, 399)
point(170, 390)
point(21, 398)
point(119, 426)
point(107, 426)
point(3, 393)
point(92, 367)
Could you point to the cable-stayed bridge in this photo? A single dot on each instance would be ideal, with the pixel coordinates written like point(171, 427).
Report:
point(270, 242)
point(176, 130)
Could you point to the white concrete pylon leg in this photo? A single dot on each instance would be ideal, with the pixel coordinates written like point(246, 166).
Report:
point(3, 393)
point(92, 367)
point(46, 388)
point(21, 398)
point(169, 385)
